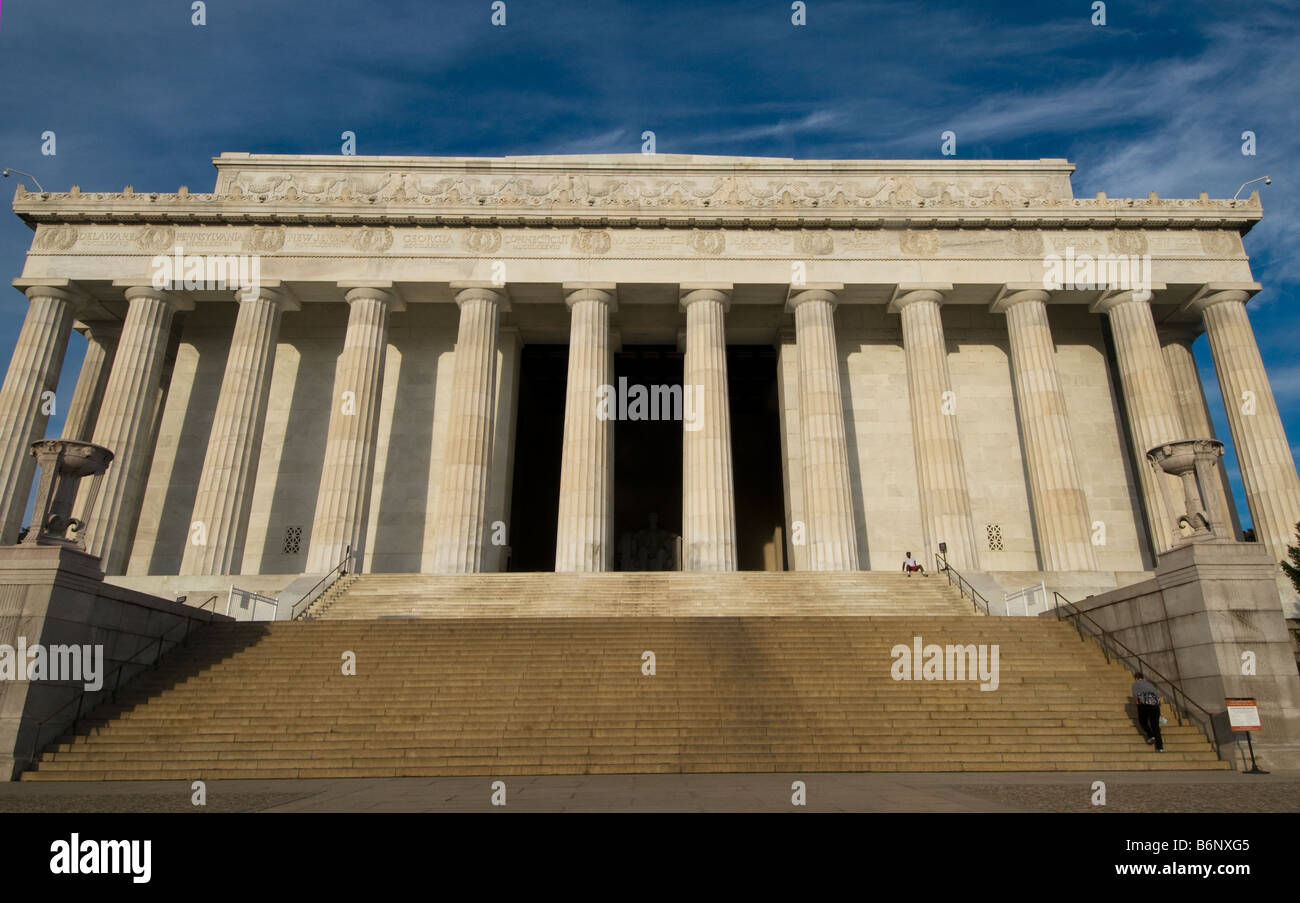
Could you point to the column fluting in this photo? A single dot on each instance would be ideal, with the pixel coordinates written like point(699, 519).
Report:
point(460, 521)
point(940, 470)
point(708, 490)
point(584, 535)
point(1056, 493)
point(219, 522)
point(126, 420)
point(101, 348)
point(343, 503)
point(1153, 415)
point(828, 490)
point(1268, 472)
point(1185, 376)
point(24, 406)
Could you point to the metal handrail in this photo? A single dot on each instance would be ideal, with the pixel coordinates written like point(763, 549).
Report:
point(1103, 637)
point(116, 673)
point(310, 596)
point(963, 585)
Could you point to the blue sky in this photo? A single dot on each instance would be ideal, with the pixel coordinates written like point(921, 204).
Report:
point(1156, 99)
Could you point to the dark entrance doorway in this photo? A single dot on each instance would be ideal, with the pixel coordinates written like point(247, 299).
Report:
point(756, 458)
point(647, 465)
point(648, 459)
point(539, 439)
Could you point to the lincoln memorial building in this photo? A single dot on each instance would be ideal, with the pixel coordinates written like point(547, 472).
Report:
point(446, 365)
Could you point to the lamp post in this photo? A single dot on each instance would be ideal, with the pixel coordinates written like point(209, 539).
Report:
point(1265, 179)
point(19, 172)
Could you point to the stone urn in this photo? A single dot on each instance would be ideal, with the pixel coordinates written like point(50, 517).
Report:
point(1193, 462)
point(64, 463)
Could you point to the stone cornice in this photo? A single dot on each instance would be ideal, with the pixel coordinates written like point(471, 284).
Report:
point(639, 190)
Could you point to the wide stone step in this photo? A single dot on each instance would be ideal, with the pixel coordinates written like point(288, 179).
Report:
point(566, 695)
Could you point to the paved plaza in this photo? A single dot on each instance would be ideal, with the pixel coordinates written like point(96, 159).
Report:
point(952, 792)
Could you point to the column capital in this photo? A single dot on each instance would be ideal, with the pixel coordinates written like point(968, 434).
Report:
point(1183, 333)
point(821, 291)
point(98, 329)
point(485, 291)
point(385, 292)
point(1013, 293)
point(910, 293)
point(689, 294)
point(270, 290)
point(1212, 293)
point(54, 287)
point(1110, 299)
point(132, 289)
point(604, 292)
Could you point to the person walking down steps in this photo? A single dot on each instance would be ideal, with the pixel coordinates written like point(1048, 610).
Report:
point(1147, 697)
point(910, 565)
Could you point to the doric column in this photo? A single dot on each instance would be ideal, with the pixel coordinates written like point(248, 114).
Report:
point(828, 491)
point(510, 345)
point(126, 419)
point(343, 504)
point(1056, 492)
point(1268, 472)
point(585, 536)
point(24, 405)
point(1176, 345)
point(940, 470)
point(1153, 416)
point(101, 348)
point(459, 525)
point(787, 388)
point(708, 492)
point(219, 522)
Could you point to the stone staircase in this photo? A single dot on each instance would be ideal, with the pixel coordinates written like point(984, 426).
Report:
point(501, 696)
point(642, 594)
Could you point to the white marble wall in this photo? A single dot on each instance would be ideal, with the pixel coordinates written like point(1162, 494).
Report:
point(420, 359)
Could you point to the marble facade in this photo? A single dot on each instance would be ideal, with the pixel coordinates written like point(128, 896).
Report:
point(932, 388)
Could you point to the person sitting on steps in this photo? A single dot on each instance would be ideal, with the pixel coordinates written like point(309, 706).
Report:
point(910, 564)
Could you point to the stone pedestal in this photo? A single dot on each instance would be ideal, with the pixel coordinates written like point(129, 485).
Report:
point(940, 471)
point(24, 405)
point(828, 494)
point(1056, 495)
point(219, 522)
point(126, 420)
point(1208, 606)
point(585, 530)
point(708, 499)
point(346, 476)
point(460, 528)
point(55, 595)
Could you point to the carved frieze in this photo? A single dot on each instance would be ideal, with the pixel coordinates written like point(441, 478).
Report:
point(56, 238)
point(814, 243)
point(369, 240)
point(591, 241)
point(266, 239)
point(1128, 243)
point(156, 238)
point(918, 244)
point(483, 241)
